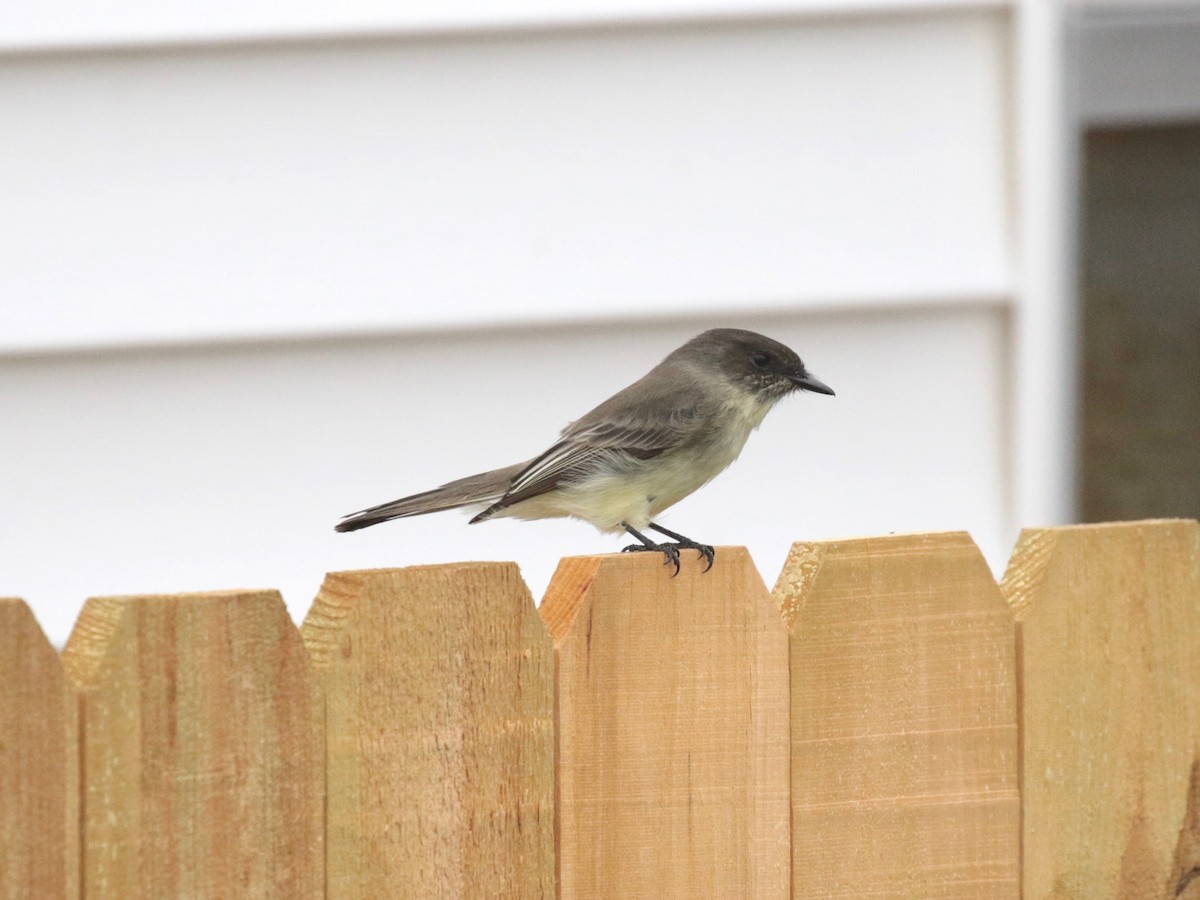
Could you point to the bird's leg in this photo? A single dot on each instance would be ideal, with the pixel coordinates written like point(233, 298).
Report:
point(670, 551)
point(684, 543)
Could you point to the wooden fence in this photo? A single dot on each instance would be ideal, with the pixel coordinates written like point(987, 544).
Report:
point(906, 728)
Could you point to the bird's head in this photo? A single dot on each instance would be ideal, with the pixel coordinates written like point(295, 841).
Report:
point(760, 366)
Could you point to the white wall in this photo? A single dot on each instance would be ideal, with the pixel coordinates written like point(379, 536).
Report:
point(250, 191)
point(246, 289)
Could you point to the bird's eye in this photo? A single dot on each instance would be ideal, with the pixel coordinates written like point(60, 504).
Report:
point(761, 360)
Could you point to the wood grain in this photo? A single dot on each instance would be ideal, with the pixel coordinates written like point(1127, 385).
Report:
point(904, 731)
point(672, 729)
point(201, 768)
point(39, 768)
point(1109, 635)
point(438, 685)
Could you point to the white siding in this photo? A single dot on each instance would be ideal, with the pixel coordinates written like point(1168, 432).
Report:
point(264, 191)
point(247, 288)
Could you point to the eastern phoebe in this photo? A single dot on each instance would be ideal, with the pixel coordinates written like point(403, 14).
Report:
point(640, 451)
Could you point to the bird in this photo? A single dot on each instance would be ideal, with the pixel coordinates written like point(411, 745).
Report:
point(639, 452)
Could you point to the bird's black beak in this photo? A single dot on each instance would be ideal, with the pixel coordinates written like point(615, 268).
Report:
point(808, 382)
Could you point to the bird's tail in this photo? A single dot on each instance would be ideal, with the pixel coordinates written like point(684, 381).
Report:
point(487, 487)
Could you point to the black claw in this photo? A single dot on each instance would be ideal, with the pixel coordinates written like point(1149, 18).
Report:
point(686, 543)
point(703, 551)
point(670, 553)
point(670, 550)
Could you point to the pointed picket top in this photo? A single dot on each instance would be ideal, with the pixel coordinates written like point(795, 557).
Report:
point(672, 728)
point(199, 747)
point(904, 730)
point(1109, 635)
point(438, 691)
point(39, 770)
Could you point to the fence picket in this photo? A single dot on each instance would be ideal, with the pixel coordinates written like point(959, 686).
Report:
point(39, 831)
point(1109, 635)
point(199, 749)
point(904, 730)
point(438, 686)
point(672, 729)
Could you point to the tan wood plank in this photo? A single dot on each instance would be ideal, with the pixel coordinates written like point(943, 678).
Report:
point(904, 738)
point(672, 729)
point(39, 765)
point(1109, 636)
point(201, 757)
point(438, 684)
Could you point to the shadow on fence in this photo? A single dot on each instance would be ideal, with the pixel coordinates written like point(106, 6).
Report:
point(887, 722)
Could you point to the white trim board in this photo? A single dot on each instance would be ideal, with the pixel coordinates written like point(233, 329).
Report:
point(52, 25)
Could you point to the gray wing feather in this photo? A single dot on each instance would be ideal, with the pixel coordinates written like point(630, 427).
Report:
point(618, 431)
point(581, 450)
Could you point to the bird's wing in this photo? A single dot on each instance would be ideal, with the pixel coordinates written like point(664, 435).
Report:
point(579, 451)
point(598, 441)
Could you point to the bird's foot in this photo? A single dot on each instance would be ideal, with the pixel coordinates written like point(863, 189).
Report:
point(704, 551)
point(686, 543)
point(670, 551)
